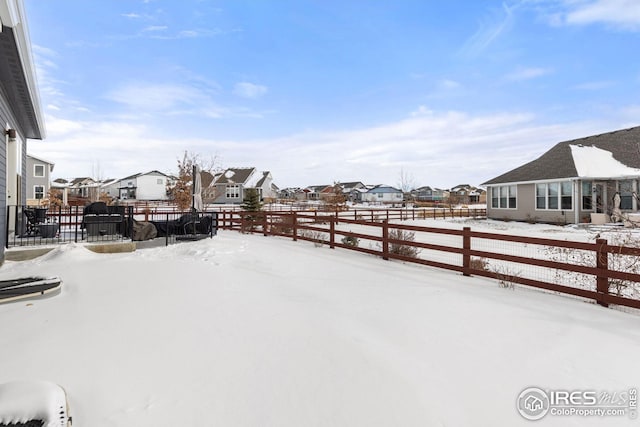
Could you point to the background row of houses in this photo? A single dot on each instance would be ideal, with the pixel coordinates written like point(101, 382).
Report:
point(357, 192)
point(226, 187)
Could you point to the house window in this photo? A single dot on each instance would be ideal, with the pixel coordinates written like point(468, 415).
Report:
point(380, 195)
point(233, 192)
point(626, 194)
point(159, 181)
point(504, 197)
point(587, 195)
point(566, 195)
point(38, 171)
point(554, 196)
point(38, 192)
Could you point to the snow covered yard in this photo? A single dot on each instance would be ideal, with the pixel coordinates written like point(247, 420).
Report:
point(245, 330)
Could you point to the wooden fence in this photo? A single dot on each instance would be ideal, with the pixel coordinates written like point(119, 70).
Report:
point(325, 229)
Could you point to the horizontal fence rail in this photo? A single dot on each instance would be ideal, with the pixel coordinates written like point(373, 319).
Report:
point(592, 271)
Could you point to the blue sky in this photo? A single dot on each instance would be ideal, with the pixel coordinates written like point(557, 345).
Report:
point(448, 92)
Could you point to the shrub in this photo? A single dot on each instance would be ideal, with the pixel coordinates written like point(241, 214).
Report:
point(283, 225)
point(401, 248)
point(481, 264)
point(350, 241)
point(507, 277)
point(318, 238)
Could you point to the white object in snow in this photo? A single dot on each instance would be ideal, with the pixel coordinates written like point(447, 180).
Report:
point(24, 401)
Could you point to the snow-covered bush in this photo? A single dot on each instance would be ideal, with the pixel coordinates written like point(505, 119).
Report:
point(401, 248)
point(318, 238)
point(616, 262)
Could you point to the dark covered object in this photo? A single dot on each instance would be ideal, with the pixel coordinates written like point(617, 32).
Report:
point(100, 219)
point(188, 224)
point(96, 208)
point(143, 231)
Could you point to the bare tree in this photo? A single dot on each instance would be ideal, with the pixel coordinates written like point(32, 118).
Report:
point(180, 191)
point(96, 171)
point(407, 182)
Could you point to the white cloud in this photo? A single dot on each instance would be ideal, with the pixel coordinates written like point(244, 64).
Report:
point(438, 148)
point(491, 27)
point(620, 14)
point(594, 85)
point(249, 90)
point(528, 73)
point(449, 84)
point(153, 28)
point(422, 110)
point(162, 98)
point(159, 32)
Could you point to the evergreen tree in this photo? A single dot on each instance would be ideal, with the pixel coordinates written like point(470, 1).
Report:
point(252, 205)
point(251, 201)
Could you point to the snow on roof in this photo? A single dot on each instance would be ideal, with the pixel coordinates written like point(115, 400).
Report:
point(23, 401)
point(594, 162)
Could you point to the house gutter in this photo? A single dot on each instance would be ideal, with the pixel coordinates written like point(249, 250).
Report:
point(12, 15)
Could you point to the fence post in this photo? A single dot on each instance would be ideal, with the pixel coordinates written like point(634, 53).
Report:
point(294, 216)
point(76, 223)
point(385, 240)
point(602, 263)
point(466, 247)
point(332, 233)
point(130, 222)
point(264, 224)
point(166, 232)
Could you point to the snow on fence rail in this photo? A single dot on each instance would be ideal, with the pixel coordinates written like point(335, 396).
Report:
point(606, 273)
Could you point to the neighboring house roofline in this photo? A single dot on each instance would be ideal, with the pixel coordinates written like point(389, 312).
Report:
point(235, 175)
point(558, 162)
point(40, 159)
point(23, 86)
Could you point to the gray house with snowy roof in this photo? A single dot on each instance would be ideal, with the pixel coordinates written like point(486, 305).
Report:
point(232, 183)
point(571, 181)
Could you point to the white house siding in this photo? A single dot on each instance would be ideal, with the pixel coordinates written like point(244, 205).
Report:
point(382, 196)
point(151, 187)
